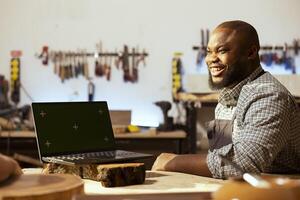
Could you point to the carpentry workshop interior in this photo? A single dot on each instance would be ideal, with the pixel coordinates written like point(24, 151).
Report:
point(141, 99)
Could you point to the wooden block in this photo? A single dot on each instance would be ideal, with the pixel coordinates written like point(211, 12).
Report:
point(120, 129)
point(120, 117)
point(110, 175)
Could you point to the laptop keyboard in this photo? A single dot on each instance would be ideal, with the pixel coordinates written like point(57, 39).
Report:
point(96, 155)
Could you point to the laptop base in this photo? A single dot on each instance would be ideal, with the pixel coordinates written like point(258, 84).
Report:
point(103, 157)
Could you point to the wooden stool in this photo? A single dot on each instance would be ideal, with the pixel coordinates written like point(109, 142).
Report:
point(41, 187)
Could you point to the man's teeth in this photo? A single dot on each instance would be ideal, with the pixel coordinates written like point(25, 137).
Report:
point(216, 69)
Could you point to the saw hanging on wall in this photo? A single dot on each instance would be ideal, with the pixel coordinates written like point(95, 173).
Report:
point(15, 68)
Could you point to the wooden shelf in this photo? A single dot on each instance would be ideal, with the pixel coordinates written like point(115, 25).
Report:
point(202, 97)
point(17, 134)
point(150, 135)
point(146, 134)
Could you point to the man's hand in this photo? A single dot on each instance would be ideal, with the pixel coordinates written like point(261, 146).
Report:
point(187, 163)
point(9, 167)
point(163, 162)
point(18, 170)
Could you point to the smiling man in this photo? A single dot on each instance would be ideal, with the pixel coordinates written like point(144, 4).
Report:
point(257, 121)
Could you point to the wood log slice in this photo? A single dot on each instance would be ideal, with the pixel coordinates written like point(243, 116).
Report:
point(110, 175)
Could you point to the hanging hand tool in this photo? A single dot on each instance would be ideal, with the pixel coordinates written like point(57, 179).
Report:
point(44, 55)
point(82, 61)
point(77, 64)
point(108, 69)
point(97, 67)
point(100, 62)
point(207, 37)
point(125, 64)
point(15, 65)
point(296, 46)
point(86, 66)
point(105, 64)
point(62, 68)
point(3, 92)
point(201, 51)
point(91, 90)
point(134, 75)
point(118, 60)
point(141, 58)
point(176, 76)
point(68, 66)
point(56, 58)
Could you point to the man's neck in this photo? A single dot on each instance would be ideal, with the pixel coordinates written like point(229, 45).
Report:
point(251, 68)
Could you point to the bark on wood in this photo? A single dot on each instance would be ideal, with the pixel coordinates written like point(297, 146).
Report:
point(110, 175)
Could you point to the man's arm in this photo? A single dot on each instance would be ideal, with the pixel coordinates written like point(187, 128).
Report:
point(254, 147)
point(188, 163)
point(262, 132)
point(8, 167)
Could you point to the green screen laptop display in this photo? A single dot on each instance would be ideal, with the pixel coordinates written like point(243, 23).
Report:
point(73, 127)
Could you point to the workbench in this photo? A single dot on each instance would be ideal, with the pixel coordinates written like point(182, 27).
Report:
point(157, 183)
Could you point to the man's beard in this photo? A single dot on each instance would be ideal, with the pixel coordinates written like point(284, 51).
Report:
point(233, 75)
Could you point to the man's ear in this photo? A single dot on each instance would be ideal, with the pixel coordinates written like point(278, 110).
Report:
point(252, 52)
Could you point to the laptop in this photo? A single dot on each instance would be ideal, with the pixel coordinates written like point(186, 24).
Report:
point(74, 133)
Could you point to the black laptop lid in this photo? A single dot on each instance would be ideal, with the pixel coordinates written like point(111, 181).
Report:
point(72, 127)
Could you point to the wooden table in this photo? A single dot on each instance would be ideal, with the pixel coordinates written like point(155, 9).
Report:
point(163, 196)
point(157, 182)
point(23, 142)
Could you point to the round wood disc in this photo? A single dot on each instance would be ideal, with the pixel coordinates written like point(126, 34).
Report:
point(41, 187)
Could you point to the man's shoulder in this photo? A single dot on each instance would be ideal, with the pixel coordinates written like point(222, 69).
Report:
point(265, 86)
point(266, 83)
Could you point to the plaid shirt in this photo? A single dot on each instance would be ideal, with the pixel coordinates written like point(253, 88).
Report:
point(266, 131)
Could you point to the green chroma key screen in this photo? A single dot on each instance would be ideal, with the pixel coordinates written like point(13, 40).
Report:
point(73, 127)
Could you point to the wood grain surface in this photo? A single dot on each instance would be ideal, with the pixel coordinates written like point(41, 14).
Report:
point(41, 187)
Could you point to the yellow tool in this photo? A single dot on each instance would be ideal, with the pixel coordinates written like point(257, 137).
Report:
point(133, 128)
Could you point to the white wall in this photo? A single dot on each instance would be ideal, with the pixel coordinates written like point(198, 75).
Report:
point(162, 27)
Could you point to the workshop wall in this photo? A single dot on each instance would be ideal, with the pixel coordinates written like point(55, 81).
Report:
point(161, 27)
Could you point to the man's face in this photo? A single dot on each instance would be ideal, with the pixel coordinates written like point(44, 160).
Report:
point(225, 58)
